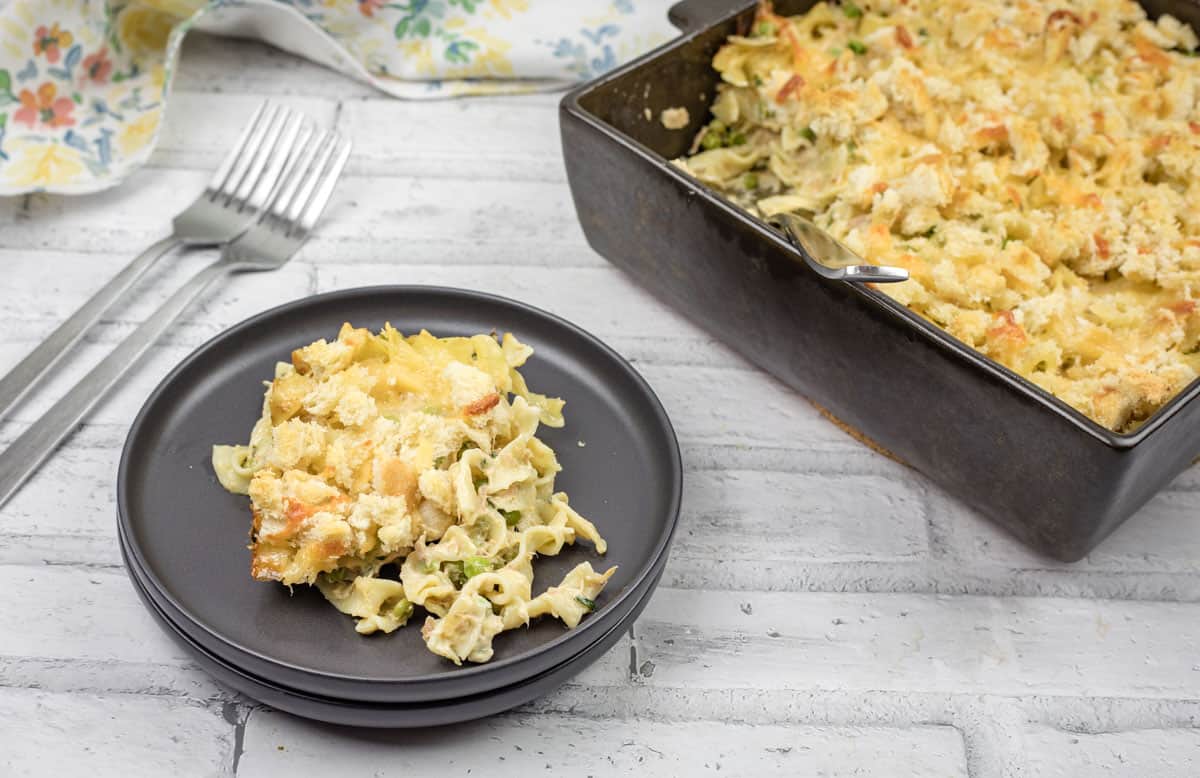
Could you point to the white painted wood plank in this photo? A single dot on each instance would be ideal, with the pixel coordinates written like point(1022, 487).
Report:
point(602, 300)
point(73, 494)
point(782, 520)
point(1051, 753)
point(50, 286)
point(740, 408)
point(1162, 538)
point(719, 640)
point(79, 614)
point(200, 129)
point(1164, 535)
point(110, 735)
point(518, 745)
point(369, 219)
point(512, 138)
point(965, 645)
point(117, 408)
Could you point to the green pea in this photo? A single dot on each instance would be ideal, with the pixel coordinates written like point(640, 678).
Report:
point(711, 140)
point(852, 11)
point(750, 181)
point(402, 610)
point(858, 47)
point(474, 565)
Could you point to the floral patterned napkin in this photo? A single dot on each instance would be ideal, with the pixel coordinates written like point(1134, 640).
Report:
point(84, 83)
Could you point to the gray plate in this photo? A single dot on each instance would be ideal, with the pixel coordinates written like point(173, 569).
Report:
point(187, 536)
point(364, 714)
point(387, 695)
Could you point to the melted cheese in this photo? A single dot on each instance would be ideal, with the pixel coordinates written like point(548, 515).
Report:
point(1034, 166)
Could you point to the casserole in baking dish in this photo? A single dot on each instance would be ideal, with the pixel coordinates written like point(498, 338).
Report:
point(1059, 480)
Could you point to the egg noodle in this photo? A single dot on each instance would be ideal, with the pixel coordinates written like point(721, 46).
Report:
point(381, 449)
point(1033, 165)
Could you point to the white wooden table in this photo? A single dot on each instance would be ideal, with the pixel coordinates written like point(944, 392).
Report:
point(825, 611)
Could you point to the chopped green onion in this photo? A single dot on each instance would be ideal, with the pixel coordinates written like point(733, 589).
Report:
point(1004, 243)
point(474, 565)
point(758, 81)
point(852, 11)
point(586, 602)
point(924, 33)
point(750, 181)
point(511, 518)
point(808, 134)
point(858, 47)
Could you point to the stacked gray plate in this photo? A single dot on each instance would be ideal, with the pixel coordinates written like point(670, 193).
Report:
point(184, 538)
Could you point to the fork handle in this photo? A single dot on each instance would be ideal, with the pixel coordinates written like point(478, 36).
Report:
point(46, 354)
point(27, 452)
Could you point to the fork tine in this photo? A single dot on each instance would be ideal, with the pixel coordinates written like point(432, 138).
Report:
point(248, 152)
point(290, 162)
point(324, 191)
point(220, 177)
point(312, 176)
point(278, 155)
point(257, 159)
point(292, 178)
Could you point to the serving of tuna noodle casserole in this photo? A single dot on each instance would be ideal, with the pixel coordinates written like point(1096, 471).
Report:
point(381, 449)
point(1033, 165)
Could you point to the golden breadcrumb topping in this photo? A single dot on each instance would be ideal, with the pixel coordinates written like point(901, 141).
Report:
point(1033, 165)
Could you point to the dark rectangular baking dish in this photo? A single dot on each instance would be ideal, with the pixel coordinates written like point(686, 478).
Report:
point(1054, 478)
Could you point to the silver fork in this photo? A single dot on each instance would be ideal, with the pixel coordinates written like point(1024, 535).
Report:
point(229, 202)
point(292, 209)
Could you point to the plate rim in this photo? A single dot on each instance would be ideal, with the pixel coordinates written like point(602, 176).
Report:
point(406, 696)
point(662, 544)
point(443, 712)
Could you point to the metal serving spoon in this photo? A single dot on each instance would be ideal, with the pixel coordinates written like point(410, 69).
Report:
point(829, 257)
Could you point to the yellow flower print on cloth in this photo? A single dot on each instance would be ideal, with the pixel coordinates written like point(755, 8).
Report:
point(84, 83)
